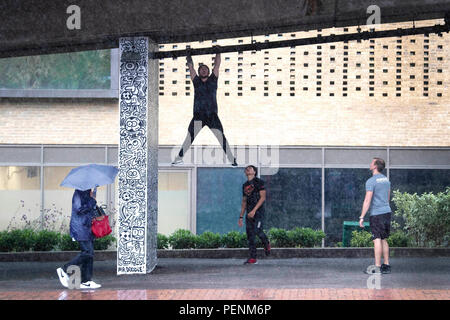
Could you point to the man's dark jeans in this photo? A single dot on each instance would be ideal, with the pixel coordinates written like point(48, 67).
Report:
point(254, 227)
point(85, 260)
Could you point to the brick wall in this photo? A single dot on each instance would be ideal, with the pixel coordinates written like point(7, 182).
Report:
point(280, 121)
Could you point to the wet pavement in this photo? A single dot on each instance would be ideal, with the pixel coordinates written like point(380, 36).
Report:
point(225, 279)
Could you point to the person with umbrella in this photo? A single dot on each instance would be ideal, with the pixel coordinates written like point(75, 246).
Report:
point(85, 180)
point(83, 211)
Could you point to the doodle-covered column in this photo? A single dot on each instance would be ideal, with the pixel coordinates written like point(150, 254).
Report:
point(135, 170)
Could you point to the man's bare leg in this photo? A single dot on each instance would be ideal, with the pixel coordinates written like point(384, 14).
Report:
point(385, 245)
point(378, 250)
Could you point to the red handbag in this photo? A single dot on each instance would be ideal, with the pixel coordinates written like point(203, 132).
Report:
point(100, 226)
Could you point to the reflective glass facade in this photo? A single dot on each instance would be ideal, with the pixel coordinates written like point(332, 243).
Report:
point(307, 191)
point(219, 196)
point(420, 180)
point(293, 198)
point(20, 195)
point(76, 70)
point(344, 196)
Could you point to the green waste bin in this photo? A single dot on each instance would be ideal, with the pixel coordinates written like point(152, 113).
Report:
point(349, 227)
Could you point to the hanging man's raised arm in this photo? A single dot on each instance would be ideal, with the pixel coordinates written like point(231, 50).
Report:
point(190, 64)
point(217, 62)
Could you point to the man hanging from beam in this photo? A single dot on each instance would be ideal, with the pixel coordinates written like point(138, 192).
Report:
point(205, 108)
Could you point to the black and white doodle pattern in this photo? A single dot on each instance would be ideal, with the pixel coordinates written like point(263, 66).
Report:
point(132, 220)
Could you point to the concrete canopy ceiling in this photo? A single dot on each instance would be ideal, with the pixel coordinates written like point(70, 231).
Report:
point(30, 27)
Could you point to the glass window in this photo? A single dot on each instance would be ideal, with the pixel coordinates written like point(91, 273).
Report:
point(20, 196)
point(419, 180)
point(344, 196)
point(75, 70)
point(293, 198)
point(58, 200)
point(173, 202)
point(219, 198)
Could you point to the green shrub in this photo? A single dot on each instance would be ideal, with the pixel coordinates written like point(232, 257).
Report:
point(104, 243)
point(426, 218)
point(361, 239)
point(234, 239)
point(208, 240)
point(67, 244)
point(182, 239)
point(398, 239)
point(6, 244)
point(318, 237)
point(279, 238)
point(306, 237)
point(162, 241)
point(46, 240)
point(297, 237)
point(20, 240)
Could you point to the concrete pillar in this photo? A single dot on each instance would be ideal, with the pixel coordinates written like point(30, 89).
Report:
point(152, 162)
point(138, 158)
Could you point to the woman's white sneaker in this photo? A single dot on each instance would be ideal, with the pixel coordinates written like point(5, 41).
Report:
point(63, 277)
point(90, 285)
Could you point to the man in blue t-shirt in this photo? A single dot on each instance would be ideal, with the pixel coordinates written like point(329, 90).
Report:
point(205, 109)
point(378, 189)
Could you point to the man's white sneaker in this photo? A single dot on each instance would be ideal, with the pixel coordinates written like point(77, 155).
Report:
point(63, 277)
point(89, 285)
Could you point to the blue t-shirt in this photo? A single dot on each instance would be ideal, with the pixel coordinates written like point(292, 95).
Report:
point(380, 187)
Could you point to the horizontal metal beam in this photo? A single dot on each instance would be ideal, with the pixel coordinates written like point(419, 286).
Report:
point(257, 46)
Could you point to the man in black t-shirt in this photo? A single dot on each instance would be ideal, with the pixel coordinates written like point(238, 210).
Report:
point(205, 109)
point(253, 197)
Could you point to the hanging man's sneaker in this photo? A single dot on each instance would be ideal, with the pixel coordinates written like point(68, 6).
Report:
point(177, 162)
point(385, 268)
point(234, 164)
point(251, 261)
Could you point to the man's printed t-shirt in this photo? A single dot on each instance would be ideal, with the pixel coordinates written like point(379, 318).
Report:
point(251, 190)
point(380, 186)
